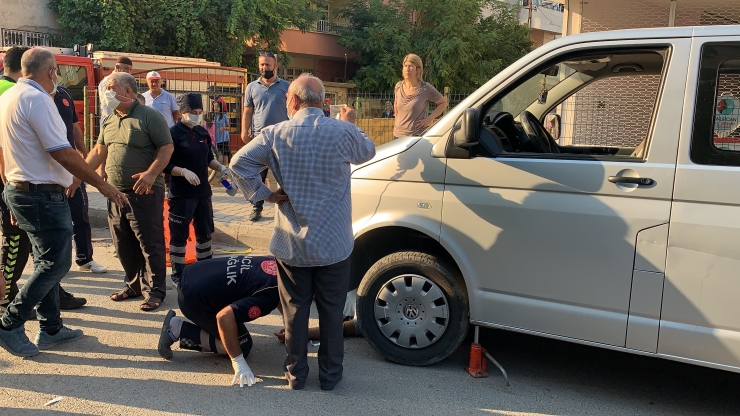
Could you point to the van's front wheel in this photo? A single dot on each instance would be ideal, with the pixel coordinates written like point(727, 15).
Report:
point(411, 309)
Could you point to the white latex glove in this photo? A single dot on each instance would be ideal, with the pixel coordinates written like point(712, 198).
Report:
point(242, 372)
point(190, 176)
point(223, 168)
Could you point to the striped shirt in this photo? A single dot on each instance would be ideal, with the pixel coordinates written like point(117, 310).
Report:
point(310, 157)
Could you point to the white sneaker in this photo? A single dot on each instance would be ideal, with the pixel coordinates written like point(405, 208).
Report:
point(92, 267)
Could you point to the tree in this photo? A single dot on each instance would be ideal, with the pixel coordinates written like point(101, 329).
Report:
point(217, 30)
point(460, 47)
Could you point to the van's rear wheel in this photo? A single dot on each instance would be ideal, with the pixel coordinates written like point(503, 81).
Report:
point(411, 309)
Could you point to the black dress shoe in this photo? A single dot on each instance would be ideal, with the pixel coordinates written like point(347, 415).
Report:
point(69, 301)
point(256, 214)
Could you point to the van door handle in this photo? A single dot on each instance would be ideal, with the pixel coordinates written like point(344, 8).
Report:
point(636, 181)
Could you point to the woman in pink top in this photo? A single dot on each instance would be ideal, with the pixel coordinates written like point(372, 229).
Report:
point(412, 97)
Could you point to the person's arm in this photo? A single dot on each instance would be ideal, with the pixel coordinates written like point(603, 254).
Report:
point(247, 124)
point(227, 330)
point(145, 180)
point(72, 162)
point(79, 140)
point(358, 148)
point(176, 115)
point(96, 157)
point(246, 166)
point(2, 167)
point(437, 98)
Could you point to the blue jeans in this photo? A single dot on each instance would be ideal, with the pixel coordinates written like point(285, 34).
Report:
point(45, 216)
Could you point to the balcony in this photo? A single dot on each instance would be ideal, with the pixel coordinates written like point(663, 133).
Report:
point(11, 37)
point(325, 26)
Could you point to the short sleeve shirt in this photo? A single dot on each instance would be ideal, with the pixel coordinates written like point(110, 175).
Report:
point(269, 102)
point(31, 129)
point(222, 120)
point(165, 103)
point(6, 83)
point(133, 141)
point(247, 283)
point(66, 107)
point(412, 108)
point(192, 152)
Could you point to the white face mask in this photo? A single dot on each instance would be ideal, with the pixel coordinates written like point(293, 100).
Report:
point(109, 99)
point(56, 84)
point(290, 116)
point(192, 119)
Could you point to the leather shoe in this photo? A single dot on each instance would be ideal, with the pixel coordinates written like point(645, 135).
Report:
point(256, 214)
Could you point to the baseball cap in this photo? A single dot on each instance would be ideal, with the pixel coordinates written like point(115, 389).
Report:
point(153, 75)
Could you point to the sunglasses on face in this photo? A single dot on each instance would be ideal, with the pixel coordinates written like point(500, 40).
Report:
point(268, 54)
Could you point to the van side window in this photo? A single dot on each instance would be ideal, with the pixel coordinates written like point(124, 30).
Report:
point(596, 104)
point(716, 135)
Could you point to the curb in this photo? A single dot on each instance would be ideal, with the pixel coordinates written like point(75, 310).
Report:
point(233, 234)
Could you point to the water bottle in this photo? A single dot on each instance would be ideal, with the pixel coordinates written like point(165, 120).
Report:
point(230, 190)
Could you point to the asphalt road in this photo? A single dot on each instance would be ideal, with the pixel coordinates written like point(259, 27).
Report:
point(115, 369)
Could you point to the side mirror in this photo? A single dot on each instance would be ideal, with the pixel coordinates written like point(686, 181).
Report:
point(552, 125)
point(467, 131)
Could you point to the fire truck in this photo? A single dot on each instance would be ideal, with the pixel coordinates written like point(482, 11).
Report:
point(81, 73)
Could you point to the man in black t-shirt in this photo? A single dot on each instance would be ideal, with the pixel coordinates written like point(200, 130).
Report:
point(219, 295)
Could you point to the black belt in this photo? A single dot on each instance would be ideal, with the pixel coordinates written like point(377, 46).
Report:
point(33, 187)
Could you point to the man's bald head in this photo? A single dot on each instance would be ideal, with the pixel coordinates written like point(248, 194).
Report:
point(36, 62)
point(309, 90)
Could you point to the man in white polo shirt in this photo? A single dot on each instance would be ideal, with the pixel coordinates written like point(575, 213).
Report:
point(161, 100)
point(38, 163)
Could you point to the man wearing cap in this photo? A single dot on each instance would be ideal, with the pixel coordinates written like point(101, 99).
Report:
point(161, 100)
point(265, 104)
point(137, 145)
point(189, 190)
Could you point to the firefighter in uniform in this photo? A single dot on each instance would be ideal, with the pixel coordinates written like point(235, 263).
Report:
point(189, 191)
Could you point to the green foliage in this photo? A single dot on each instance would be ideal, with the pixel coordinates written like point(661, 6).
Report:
point(460, 47)
point(217, 30)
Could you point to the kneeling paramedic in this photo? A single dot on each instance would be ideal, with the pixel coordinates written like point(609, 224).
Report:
point(219, 295)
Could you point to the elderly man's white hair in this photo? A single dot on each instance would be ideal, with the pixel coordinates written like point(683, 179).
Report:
point(37, 61)
point(123, 79)
point(302, 87)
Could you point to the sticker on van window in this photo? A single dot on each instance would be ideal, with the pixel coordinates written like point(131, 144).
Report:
point(726, 115)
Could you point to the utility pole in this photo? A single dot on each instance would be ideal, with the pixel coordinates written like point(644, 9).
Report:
point(345, 67)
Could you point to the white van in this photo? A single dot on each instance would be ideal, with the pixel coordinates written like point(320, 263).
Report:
point(617, 225)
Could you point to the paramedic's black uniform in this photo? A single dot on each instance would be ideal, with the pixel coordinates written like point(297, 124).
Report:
point(247, 283)
point(187, 202)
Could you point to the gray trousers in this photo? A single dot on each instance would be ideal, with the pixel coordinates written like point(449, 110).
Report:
point(298, 286)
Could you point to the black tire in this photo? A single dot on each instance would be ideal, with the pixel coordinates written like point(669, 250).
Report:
point(382, 278)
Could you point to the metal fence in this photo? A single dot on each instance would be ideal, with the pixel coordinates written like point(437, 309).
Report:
point(11, 37)
point(375, 111)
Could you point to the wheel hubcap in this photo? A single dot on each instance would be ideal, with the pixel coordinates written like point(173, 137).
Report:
point(411, 311)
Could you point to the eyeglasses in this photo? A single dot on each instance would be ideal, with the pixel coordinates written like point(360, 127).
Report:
point(268, 54)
